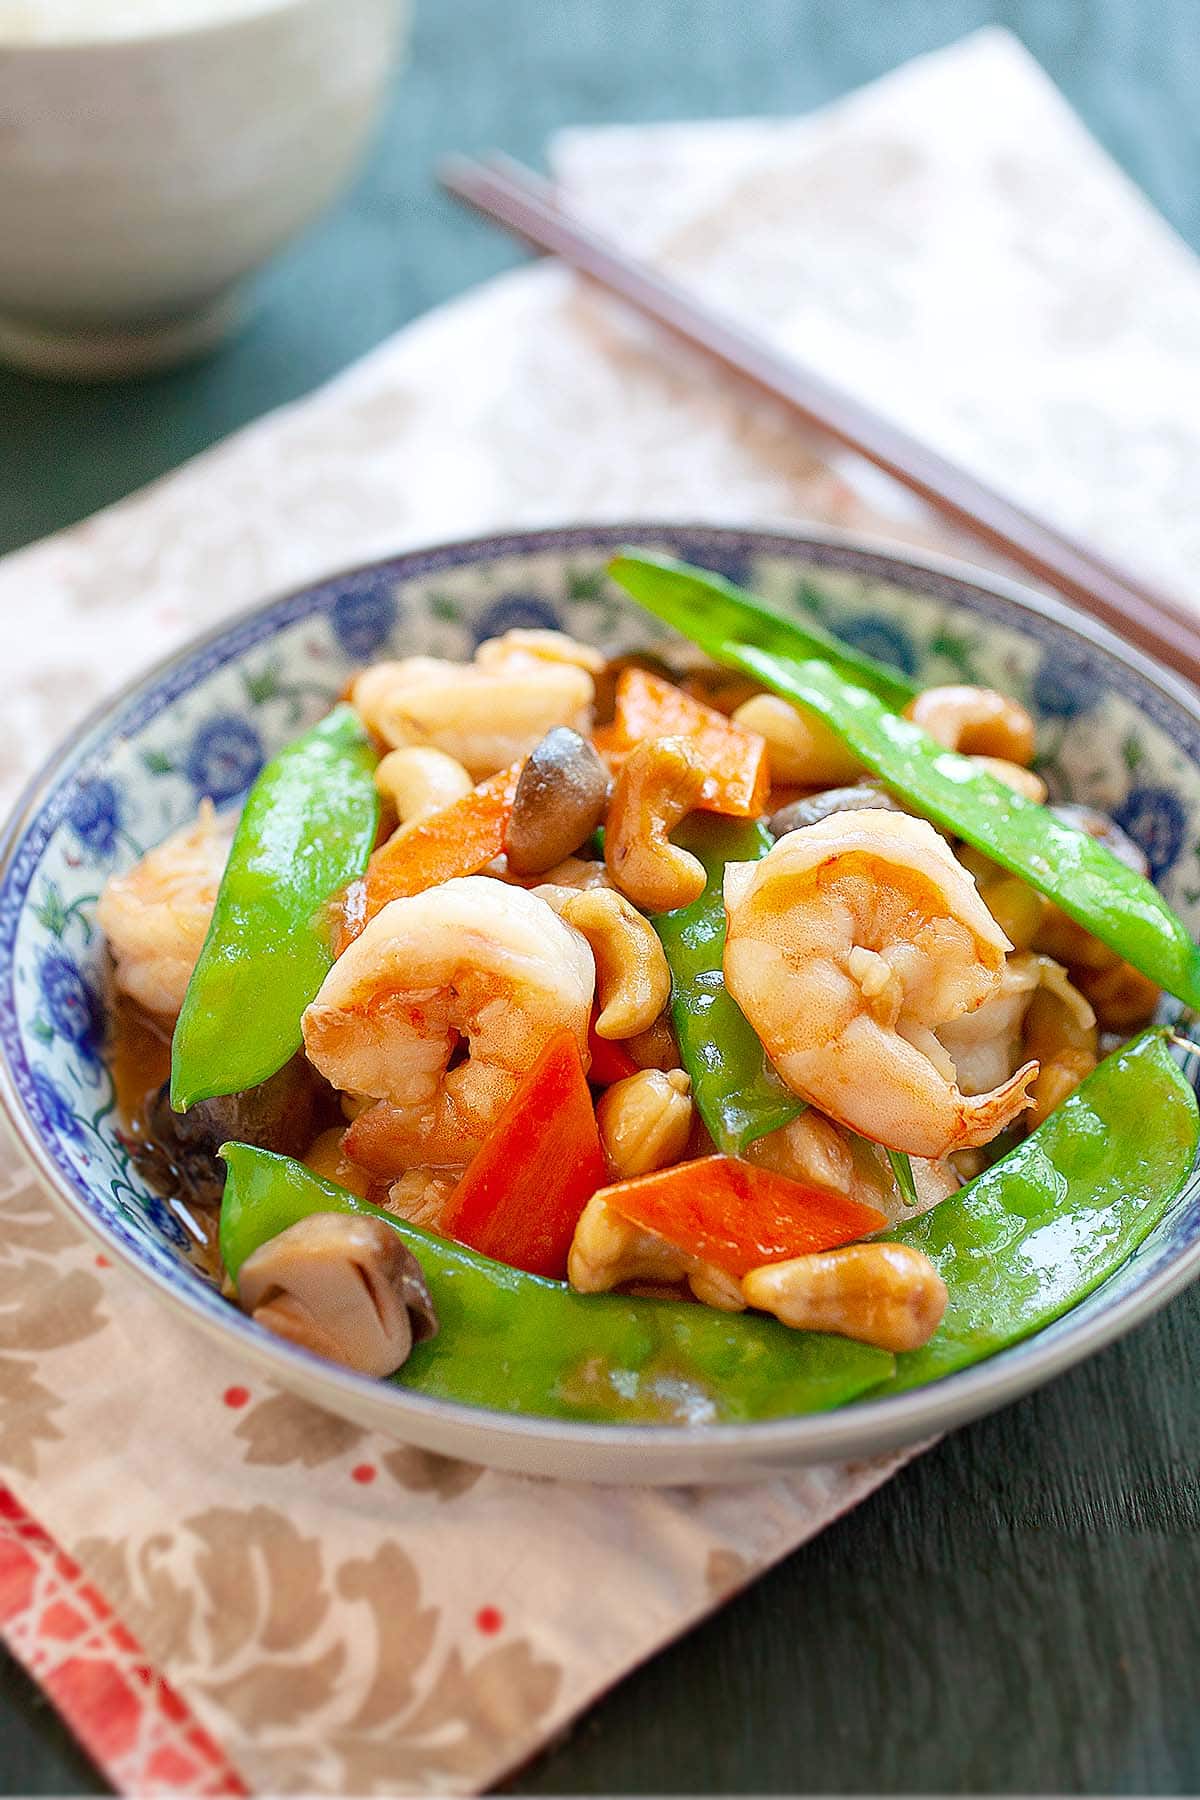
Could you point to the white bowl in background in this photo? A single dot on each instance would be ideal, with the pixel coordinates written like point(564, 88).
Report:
point(144, 173)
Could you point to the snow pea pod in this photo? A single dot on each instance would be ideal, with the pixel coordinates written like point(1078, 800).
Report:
point(306, 831)
point(738, 1094)
point(715, 606)
point(521, 1344)
point(1034, 1234)
point(1078, 873)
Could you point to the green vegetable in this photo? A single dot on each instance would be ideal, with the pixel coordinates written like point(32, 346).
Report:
point(738, 1094)
point(902, 1169)
point(520, 1344)
point(1035, 1233)
point(307, 830)
point(1087, 881)
point(1017, 1248)
point(715, 607)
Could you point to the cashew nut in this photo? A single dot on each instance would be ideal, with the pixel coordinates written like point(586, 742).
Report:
point(419, 781)
point(659, 784)
point(884, 1294)
point(645, 1121)
point(1059, 1017)
point(608, 1251)
point(1122, 996)
point(633, 981)
point(802, 749)
point(976, 721)
point(1016, 907)
point(578, 872)
point(1022, 781)
point(344, 1286)
point(1055, 1080)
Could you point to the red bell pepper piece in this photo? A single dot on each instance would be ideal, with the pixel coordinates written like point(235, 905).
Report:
point(737, 771)
point(460, 839)
point(520, 1198)
point(737, 1216)
point(610, 1059)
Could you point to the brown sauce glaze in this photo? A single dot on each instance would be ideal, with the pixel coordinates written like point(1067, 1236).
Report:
point(139, 1060)
point(176, 1154)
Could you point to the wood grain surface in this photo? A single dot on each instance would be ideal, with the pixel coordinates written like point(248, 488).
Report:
point(1018, 1611)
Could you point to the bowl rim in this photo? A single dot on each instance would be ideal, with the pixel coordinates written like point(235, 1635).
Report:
point(867, 1425)
point(158, 37)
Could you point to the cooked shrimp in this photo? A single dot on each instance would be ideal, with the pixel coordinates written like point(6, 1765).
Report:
point(472, 963)
point(484, 717)
point(814, 1150)
point(987, 1045)
point(155, 916)
point(850, 945)
point(420, 1196)
point(520, 649)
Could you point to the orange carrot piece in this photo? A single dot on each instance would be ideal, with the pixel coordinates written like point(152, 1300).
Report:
point(521, 1195)
point(737, 1216)
point(735, 761)
point(460, 839)
point(610, 1062)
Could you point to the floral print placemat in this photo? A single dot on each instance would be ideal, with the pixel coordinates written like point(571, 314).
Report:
point(221, 1587)
point(338, 1613)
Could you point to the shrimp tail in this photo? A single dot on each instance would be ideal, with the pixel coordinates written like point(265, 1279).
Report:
point(981, 1116)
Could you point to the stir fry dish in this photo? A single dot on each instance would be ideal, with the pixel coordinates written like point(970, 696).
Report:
point(642, 1041)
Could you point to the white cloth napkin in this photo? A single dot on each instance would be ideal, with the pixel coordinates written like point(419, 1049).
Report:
point(950, 243)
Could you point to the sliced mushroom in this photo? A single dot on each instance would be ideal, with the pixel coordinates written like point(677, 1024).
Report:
point(343, 1285)
point(815, 807)
point(178, 1151)
point(560, 800)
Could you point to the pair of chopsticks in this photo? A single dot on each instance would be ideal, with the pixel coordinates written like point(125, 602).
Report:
point(526, 206)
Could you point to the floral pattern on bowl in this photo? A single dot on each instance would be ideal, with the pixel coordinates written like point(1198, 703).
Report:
point(1114, 732)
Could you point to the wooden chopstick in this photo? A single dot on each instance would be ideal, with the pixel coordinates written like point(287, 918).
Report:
point(521, 201)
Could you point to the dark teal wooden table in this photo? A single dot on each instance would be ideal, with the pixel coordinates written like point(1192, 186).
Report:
point(1020, 1610)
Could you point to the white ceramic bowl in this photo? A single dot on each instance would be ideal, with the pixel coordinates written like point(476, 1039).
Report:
point(1114, 731)
point(143, 176)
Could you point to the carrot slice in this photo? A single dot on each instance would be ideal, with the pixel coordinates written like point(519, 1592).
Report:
point(521, 1196)
point(735, 761)
point(460, 839)
point(737, 1216)
point(610, 1059)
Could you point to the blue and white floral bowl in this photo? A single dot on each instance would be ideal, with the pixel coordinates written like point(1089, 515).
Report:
point(1115, 732)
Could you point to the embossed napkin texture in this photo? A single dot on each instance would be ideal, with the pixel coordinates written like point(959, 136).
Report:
point(341, 1614)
